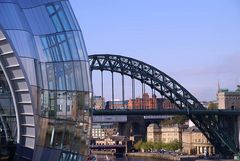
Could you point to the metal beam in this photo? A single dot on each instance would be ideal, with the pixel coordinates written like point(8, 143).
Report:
point(168, 112)
point(170, 89)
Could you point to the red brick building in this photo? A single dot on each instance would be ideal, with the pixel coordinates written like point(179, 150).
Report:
point(143, 103)
point(168, 105)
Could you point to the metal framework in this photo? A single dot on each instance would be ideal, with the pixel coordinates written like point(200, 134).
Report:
point(211, 125)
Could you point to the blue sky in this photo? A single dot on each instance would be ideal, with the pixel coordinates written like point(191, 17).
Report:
point(196, 42)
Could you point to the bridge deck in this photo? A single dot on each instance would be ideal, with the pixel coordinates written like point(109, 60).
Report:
point(166, 112)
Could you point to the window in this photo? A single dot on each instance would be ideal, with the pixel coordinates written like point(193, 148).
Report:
point(50, 75)
point(58, 16)
point(59, 76)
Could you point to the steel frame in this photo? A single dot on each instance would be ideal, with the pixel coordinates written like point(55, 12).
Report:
point(211, 125)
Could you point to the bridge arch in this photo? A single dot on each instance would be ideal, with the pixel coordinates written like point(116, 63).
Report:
point(209, 124)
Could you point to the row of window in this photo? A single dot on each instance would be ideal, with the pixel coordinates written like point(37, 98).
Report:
point(64, 135)
point(63, 46)
point(65, 105)
point(51, 18)
point(61, 16)
point(66, 76)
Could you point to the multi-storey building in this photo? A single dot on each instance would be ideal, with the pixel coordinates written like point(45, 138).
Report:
point(116, 104)
point(103, 130)
point(167, 104)
point(143, 103)
point(228, 99)
point(98, 132)
point(171, 133)
point(194, 142)
point(98, 102)
point(153, 133)
point(165, 134)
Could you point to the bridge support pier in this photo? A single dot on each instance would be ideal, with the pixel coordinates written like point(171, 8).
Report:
point(237, 156)
point(135, 126)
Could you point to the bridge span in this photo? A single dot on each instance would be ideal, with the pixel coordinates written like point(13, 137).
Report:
point(221, 128)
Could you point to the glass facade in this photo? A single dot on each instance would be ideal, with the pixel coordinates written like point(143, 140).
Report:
point(55, 94)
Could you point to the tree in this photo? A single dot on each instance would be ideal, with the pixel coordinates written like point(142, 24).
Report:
point(173, 145)
point(212, 106)
point(157, 145)
point(175, 120)
point(138, 145)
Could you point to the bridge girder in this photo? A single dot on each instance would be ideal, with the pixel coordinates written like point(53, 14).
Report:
point(210, 125)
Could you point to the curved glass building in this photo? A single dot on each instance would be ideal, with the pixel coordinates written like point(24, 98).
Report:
point(44, 66)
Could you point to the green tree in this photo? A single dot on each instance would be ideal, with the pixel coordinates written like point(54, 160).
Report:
point(212, 106)
point(174, 120)
point(147, 146)
point(173, 145)
point(157, 145)
point(138, 145)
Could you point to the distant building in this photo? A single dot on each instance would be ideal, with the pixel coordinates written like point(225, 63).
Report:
point(153, 133)
point(99, 102)
point(165, 134)
point(167, 104)
point(228, 99)
point(116, 104)
point(194, 142)
point(143, 103)
point(98, 132)
point(160, 103)
point(114, 140)
point(103, 130)
point(205, 103)
point(171, 133)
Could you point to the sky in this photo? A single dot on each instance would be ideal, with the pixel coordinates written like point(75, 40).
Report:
point(196, 42)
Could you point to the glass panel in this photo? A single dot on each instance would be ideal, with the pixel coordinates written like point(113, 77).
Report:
point(72, 46)
point(50, 9)
point(57, 23)
point(44, 42)
point(79, 46)
point(61, 105)
point(88, 76)
point(39, 74)
point(59, 130)
point(66, 54)
point(52, 112)
point(69, 136)
point(77, 138)
point(55, 51)
point(69, 75)
point(69, 16)
point(64, 21)
point(51, 76)
point(72, 15)
point(85, 57)
point(70, 110)
point(49, 134)
point(44, 103)
point(61, 37)
point(59, 75)
point(63, 156)
point(85, 76)
point(80, 105)
point(57, 5)
point(44, 76)
point(46, 50)
point(78, 76)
